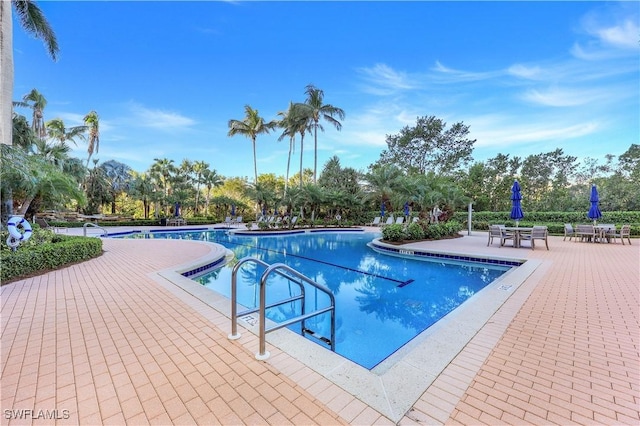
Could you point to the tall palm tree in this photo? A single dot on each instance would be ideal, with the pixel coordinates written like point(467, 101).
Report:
point(92, 124)
point(58, 132)
point(37, 102)
point(290, 123)
point(251, 126)
point(33, 21)
point(199, 167)
point(143, 189)
point(161, 170)
point(320, 110)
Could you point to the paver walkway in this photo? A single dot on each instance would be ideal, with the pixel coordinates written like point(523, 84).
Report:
point(105, 342)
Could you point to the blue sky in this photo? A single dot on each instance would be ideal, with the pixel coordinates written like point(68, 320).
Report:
point(166, 77)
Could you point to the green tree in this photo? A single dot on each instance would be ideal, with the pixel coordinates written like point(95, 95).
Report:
point(251, 126)
point(429, 146)
point(161, 170)
point(319, 110)
point(210, 179)
point(335, 177)
point(118, 177)
point(57, 131)
point(92, 125)
point(291, 123)
point(142, 188)
point(199, 168)
point(34, 22)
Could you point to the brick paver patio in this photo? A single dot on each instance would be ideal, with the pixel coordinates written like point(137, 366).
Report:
point(107, 342)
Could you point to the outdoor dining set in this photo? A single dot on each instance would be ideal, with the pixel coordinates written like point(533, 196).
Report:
point(597, 233)
point(518, 234)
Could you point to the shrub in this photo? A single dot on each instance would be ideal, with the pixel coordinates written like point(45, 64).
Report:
point(45, 251)
point(393, 232)
point(414, 231)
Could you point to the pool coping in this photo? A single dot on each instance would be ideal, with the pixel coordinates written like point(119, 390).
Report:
point(395, 385)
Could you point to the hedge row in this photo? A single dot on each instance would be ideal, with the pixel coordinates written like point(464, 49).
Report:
point(61, 250)
point(420, 231)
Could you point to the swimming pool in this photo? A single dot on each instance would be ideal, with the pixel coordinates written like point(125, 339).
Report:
point(382, 302)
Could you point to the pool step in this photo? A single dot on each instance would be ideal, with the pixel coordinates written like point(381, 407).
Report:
point(315, 335)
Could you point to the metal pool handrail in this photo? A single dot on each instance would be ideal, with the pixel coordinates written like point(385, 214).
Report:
point(106, 234)
point(289, 273)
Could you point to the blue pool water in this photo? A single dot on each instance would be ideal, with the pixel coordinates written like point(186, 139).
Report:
point(382, 301)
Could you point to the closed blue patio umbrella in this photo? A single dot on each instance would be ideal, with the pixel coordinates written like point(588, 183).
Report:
point(516, 209)
point(176, 209)
point(406, 208)
point(382, 209)
point(594, 211)
point(233, 209)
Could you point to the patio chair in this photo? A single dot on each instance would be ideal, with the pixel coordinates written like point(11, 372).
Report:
point(239, 219)
point(376, 221)
point(389, 220)
point(399, 220)
point(625, 232)
point(498, 231)
point(227, 220)
point(537, 233)
point(585, 233)
point(568, 231)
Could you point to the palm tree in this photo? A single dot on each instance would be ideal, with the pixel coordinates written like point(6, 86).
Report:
point(143, 189)
point(33, 21)
point(315, 100)
point(92, 123)
point(162, 170)
point(57, 131)
point(210, 179)
point(199, 167)
point(290, 122)
point(37, 102)
point(118, 176)
point(251, 126)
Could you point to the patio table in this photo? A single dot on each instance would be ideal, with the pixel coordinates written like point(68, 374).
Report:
point(517, 231)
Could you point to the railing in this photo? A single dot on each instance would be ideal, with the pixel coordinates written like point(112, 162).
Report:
point(291, 275)
point(84, 230)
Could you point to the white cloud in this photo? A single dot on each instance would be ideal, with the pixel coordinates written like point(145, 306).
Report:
point(501, 130)
point(384, 80)
point(624, 35)
point(157, 118)
point(564, 97)
point(523, 71)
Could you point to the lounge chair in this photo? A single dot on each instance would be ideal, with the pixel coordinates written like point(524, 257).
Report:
point(239, 219)
point(537, 233)
point(415, 219)
point(42, 223)
point(389, 220)
point(399, 220)
point(376, 221)
point(227, 220)
point(625, 232)
point(568, 231)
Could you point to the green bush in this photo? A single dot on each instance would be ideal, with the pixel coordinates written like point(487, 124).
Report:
point(45, 251)
point(393, 232)
point(414, 231)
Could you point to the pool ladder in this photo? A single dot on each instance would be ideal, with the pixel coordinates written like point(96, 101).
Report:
point(294, 276)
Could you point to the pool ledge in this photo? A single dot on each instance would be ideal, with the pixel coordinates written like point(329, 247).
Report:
point(407, 251)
